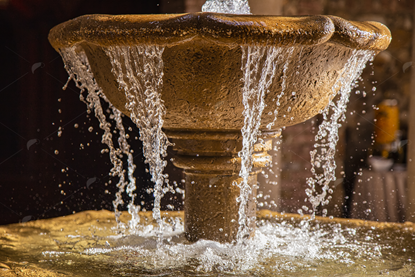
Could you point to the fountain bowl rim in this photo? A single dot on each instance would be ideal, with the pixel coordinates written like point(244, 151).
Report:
point(233, 30)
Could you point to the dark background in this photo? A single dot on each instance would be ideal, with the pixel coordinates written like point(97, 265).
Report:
point(35, 182)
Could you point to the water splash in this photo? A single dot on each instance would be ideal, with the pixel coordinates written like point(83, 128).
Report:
point(78, 68)
point(281, 246)
point(227, 6)
point(323, 163)
point(139, 71)
point(258, 77)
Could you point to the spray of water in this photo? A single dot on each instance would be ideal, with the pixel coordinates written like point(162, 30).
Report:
point(323, 163)
point(278, 248)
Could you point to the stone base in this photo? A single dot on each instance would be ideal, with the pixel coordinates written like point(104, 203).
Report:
point(211, 208)
point(211, 167)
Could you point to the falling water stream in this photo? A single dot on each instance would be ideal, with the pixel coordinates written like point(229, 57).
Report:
point(142, 78)
point(139, 72)
point(77, 66)
point(323, 164)
point(257, 78)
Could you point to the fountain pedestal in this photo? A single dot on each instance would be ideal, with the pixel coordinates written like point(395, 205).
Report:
point(211, 168)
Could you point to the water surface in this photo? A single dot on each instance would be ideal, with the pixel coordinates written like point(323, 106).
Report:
point(90, 244)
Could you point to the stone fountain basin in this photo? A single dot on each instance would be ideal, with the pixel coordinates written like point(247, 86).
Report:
point(202, 80)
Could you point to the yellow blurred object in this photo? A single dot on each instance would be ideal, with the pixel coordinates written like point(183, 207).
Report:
point(387, 121)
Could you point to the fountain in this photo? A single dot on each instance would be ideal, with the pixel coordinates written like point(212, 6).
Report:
point(216, 87)
point(195, 63)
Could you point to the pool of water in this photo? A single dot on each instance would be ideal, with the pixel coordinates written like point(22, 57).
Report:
point(91, 244)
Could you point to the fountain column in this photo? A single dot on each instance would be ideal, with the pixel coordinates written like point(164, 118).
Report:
point(211, 168)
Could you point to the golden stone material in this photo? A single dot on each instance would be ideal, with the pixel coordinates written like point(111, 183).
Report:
point(202, 88)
